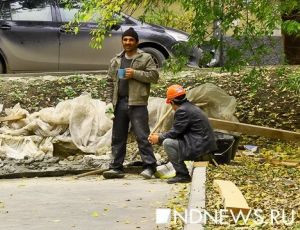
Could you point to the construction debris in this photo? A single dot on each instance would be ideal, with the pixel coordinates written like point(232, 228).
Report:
point(83, 124)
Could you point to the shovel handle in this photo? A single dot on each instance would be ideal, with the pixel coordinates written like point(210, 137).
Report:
point(97, 171)
point(160, 121)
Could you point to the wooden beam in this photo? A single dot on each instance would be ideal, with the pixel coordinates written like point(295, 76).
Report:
point(254, 130)
point(288, 163)
point(232, 197)
point(200, 164)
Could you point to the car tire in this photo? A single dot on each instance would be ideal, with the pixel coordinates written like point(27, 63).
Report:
point(157, 56)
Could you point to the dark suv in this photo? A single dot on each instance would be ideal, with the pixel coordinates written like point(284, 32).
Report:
point(33, 38)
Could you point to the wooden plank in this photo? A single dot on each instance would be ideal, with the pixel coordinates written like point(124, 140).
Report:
point(200, 164)
point(232, 197)
point(255, 130)
point(288, 163)
point(13, 117)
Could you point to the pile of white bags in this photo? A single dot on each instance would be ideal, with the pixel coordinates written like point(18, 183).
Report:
point(83, 122)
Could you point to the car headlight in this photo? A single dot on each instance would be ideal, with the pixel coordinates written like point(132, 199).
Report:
point(178, 36)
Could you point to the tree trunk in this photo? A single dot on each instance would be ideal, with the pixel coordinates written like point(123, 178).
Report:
point(292, 42)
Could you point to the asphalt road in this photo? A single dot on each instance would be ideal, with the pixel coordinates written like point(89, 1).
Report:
point(89, 203)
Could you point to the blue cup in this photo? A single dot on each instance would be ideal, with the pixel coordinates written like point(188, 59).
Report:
point(121, 73)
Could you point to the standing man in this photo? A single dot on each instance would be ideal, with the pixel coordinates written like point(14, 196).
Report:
point(130, 95)
point(190, 137)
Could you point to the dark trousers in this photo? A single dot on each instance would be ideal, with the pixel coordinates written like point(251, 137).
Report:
point(171, 147)
point(138, 116)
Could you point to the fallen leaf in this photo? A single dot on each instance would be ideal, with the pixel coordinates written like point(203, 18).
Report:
point(95, 214)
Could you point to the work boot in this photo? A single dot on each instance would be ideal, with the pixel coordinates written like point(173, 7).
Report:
point(147, 173)
point(180, 179)
point(113, 173)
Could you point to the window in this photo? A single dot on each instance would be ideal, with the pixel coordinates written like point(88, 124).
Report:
point(67, 15)
point(126, 21)
point(30, 11)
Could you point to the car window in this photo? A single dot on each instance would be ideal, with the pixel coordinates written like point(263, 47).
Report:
point(126, 20)
point(67, 14)
point(30, 10)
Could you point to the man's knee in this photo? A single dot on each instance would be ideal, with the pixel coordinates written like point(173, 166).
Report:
point(171, 148)
point(167, 143)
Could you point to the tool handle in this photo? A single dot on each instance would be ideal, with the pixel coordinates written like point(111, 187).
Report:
point(97, 171)
point(160, 121)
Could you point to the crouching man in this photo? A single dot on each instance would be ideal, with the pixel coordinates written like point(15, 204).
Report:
point(190, 137)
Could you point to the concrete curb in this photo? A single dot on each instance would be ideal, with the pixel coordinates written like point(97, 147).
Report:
point(57, 173)
point(197, 195)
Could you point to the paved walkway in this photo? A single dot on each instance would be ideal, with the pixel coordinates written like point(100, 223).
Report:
point(89, 203)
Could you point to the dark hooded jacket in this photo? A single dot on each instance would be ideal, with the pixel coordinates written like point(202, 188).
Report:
point(193, 131)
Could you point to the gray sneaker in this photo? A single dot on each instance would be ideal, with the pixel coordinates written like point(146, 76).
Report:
point(113, 173)
point(147, 173)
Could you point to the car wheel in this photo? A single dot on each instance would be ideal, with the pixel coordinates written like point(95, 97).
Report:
point(157, 56)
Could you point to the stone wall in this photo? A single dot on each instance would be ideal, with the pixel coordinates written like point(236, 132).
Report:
point(274, 56)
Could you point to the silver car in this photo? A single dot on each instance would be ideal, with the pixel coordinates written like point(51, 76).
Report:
point(33, 38)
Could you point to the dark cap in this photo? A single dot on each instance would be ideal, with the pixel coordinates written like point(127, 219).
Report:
point(131, 33)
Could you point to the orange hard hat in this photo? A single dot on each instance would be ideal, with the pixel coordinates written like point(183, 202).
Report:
point(174, 91)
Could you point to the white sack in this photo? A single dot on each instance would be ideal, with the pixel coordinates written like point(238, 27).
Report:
point(88, 123)
point(18, 147)
point(219, 104)
point(214, 101)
